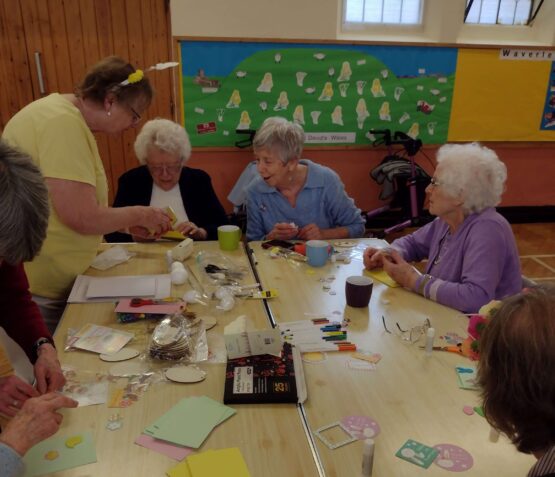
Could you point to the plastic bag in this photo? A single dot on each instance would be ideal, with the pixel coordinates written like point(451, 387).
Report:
point(218, 270)
point(179, 338)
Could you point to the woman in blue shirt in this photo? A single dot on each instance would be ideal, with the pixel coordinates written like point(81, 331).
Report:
point(294, 197)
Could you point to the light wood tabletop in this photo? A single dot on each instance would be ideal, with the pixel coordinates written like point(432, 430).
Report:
point(409, 395)
point(271, 437)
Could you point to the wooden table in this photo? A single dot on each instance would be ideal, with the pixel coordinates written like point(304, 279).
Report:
point(271, 437)
point(409, 394)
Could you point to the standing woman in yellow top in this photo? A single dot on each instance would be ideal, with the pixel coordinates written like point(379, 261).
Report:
point(57, 132)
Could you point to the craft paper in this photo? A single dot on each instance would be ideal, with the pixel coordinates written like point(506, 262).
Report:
point(382, 276)
point(190, 421)
point(252, 343)
point(170, 450)
point(123, 286)
point(124, 306)
point(228, 462)
point(80, 452)
point(467, 376)
point(101, 339)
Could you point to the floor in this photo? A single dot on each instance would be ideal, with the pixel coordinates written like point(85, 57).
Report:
point(536, 246)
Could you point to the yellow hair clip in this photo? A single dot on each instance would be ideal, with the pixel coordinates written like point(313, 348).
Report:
point(138, 75)
point(134, 77)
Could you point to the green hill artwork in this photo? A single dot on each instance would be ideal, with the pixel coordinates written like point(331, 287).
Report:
point(338, 96)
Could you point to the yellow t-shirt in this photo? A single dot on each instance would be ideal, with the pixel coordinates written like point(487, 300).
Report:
point(53, 132)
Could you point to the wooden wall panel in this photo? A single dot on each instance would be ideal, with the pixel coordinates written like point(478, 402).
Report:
point(71, 36)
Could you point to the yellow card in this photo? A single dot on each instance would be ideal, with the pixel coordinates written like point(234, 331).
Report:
point(382, 276)
point(228, 462)
point(174, 235)
point(171, 213)
point(180, 470)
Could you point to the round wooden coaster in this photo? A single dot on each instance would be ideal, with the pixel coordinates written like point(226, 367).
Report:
point(209, 321)
point(122, 355)
point(185, 374)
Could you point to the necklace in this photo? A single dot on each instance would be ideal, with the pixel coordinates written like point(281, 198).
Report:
point(442, 248)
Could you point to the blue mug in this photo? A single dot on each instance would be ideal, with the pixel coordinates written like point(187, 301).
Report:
point(317, 252)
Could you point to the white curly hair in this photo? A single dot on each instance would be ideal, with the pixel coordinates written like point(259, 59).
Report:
point(166, 136)
point(472, 172)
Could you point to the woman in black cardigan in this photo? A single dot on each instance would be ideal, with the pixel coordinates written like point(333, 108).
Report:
point(163, 148)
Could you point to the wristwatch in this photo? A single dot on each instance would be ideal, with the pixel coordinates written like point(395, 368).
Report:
point(39, 343)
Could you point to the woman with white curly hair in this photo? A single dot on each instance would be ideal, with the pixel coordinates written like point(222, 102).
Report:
point(471, 250)
point(163, 180)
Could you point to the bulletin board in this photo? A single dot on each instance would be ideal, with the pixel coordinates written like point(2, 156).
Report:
point(339, 92)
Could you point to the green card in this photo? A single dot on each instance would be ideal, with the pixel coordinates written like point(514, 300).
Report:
point(417, 453)
point(60, 453)
point(190, 421)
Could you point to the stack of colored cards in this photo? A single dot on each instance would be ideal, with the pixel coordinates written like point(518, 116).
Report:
point(190, 421)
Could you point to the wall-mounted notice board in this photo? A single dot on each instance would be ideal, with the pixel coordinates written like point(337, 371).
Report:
point(340, 91)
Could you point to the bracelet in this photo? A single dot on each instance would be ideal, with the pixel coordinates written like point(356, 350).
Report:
point(39, 343)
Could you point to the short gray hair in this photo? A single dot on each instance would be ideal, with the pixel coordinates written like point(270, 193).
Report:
point(24, 211)
point(474, 173)
point(282, 136)
point(166, 136)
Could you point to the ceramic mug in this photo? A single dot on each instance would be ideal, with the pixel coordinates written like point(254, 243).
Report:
point(317, 252)
point(229, 237)
point(358, 290)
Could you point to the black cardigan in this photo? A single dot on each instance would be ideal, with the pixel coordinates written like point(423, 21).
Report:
point(199, 199)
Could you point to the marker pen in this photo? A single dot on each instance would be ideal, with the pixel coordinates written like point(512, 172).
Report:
point(367, 457)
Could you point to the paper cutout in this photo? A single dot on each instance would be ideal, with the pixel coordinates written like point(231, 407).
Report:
point(327, 92)
point(298, 115)
point(453, 458)
point(36, 462)
point(337, 116)
point(346, 72)
point(282, 102)
point(417, 453)
point(266, 84)
point(384, 112)
point(244, 120)
point(234, 100)
point(300, 75)
point(467, 377)
point(361, 427)
point(377, 89)
point(73, 441)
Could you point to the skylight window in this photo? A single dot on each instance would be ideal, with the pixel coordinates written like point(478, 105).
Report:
point(499, 12)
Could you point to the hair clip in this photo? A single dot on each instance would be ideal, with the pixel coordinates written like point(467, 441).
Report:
point(138, 75)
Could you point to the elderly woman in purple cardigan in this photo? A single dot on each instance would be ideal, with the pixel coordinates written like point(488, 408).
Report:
point(471, 251)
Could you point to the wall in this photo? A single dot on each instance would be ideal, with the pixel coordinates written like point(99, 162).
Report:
point(531, 166)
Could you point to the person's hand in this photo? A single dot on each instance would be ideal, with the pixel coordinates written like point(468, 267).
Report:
point(37, 420)
point(156, 221)
point(373, 258)
point(48, 370)
point(13, 393)
point(398, 269)
point(191, 229)
point(310, 232)
point(283, 231)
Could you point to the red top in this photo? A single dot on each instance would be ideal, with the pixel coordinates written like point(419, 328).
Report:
point(19, 314)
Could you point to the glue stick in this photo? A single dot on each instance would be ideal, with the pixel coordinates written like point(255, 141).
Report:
point(430, 334)
point(367, 458)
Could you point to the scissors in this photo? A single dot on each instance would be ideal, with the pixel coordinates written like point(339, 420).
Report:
point(136, 302)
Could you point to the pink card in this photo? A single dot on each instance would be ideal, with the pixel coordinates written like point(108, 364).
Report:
point(163, 447)
point(124, 306)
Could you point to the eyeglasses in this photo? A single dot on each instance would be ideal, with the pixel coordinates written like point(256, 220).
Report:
point(412, 335)
point(169, 168)
point(136, 115)
point(434, 182)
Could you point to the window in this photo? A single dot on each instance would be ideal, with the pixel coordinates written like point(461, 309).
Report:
point(502, 12)
point(392, 12)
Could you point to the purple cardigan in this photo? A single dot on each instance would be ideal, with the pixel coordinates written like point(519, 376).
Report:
point(477, 264)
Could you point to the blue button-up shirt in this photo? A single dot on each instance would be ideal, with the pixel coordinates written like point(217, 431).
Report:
point(11, 464)
point(322, 201)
